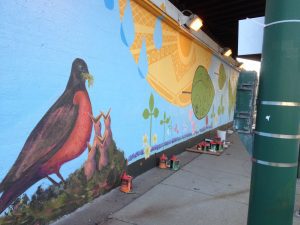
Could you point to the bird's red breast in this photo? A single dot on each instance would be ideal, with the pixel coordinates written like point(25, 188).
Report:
point(80, 135)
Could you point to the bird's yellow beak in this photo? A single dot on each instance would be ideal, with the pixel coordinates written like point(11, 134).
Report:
point(89, 78)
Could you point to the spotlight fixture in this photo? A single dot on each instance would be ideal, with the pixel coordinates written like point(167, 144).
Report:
point(226, 52)
point(195, 23)
point(191, 20)
point(240, 65)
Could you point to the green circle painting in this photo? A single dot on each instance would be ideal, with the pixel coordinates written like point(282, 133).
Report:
point(203, 93)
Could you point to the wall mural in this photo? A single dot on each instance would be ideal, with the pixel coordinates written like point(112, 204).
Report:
point(66, 139)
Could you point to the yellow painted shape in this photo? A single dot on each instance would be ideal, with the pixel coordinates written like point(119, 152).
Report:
point(185, 44)
point(122, 5)
point(172, 67)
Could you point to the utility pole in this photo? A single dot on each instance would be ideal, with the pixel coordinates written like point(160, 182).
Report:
point(277, 134)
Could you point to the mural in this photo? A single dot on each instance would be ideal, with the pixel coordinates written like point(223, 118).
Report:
point(152, 87)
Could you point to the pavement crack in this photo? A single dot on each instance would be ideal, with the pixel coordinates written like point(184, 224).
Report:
point(220, 170)
point(117, 219)
point(186, 189)
point(125, 221)
point(213, 197)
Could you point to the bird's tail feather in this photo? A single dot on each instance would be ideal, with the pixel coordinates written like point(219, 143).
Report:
point(15, 190)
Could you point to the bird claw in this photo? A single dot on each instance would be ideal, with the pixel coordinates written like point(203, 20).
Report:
point(52, 181)
point(61, 177)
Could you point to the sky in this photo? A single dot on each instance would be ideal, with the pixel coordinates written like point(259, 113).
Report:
point(250, 65)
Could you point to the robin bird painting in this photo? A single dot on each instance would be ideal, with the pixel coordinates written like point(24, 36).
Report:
point(60, 136)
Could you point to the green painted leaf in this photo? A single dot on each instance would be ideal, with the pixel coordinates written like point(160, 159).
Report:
point(156, 112)
point(146, 114)
point(164, 115)
point(203, 93)
point(222, 76)
point(161, 122)
point(151, 103)
point(168, 120)
point(219, 110)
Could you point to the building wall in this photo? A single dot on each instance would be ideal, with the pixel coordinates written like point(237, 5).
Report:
point(152, 87)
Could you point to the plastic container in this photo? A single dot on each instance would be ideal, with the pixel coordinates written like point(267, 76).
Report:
point(221, 134)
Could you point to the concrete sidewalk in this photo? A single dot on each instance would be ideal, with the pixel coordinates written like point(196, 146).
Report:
point(207, 190)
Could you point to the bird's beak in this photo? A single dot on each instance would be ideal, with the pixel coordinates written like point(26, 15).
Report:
point(89, 78)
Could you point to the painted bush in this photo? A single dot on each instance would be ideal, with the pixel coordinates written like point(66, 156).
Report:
point(53, 201)
point(66, 137)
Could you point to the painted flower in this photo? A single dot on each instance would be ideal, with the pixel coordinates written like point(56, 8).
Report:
point(147, 151)
point(145, 139)
point(154, 139)
point(194, 127)
point(216, 119)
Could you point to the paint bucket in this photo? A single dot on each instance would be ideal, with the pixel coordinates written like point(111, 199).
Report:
point(163, 162)
point(126, 183)
point(221, 134)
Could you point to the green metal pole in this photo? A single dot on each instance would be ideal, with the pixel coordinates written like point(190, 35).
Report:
point(276, 141)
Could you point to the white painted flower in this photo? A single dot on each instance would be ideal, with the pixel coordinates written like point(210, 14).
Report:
point(154, 139)
point(147, 151)
point(169, 130)
point(145, 139)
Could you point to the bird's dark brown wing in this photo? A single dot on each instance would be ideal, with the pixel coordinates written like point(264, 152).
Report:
point(46, 138)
